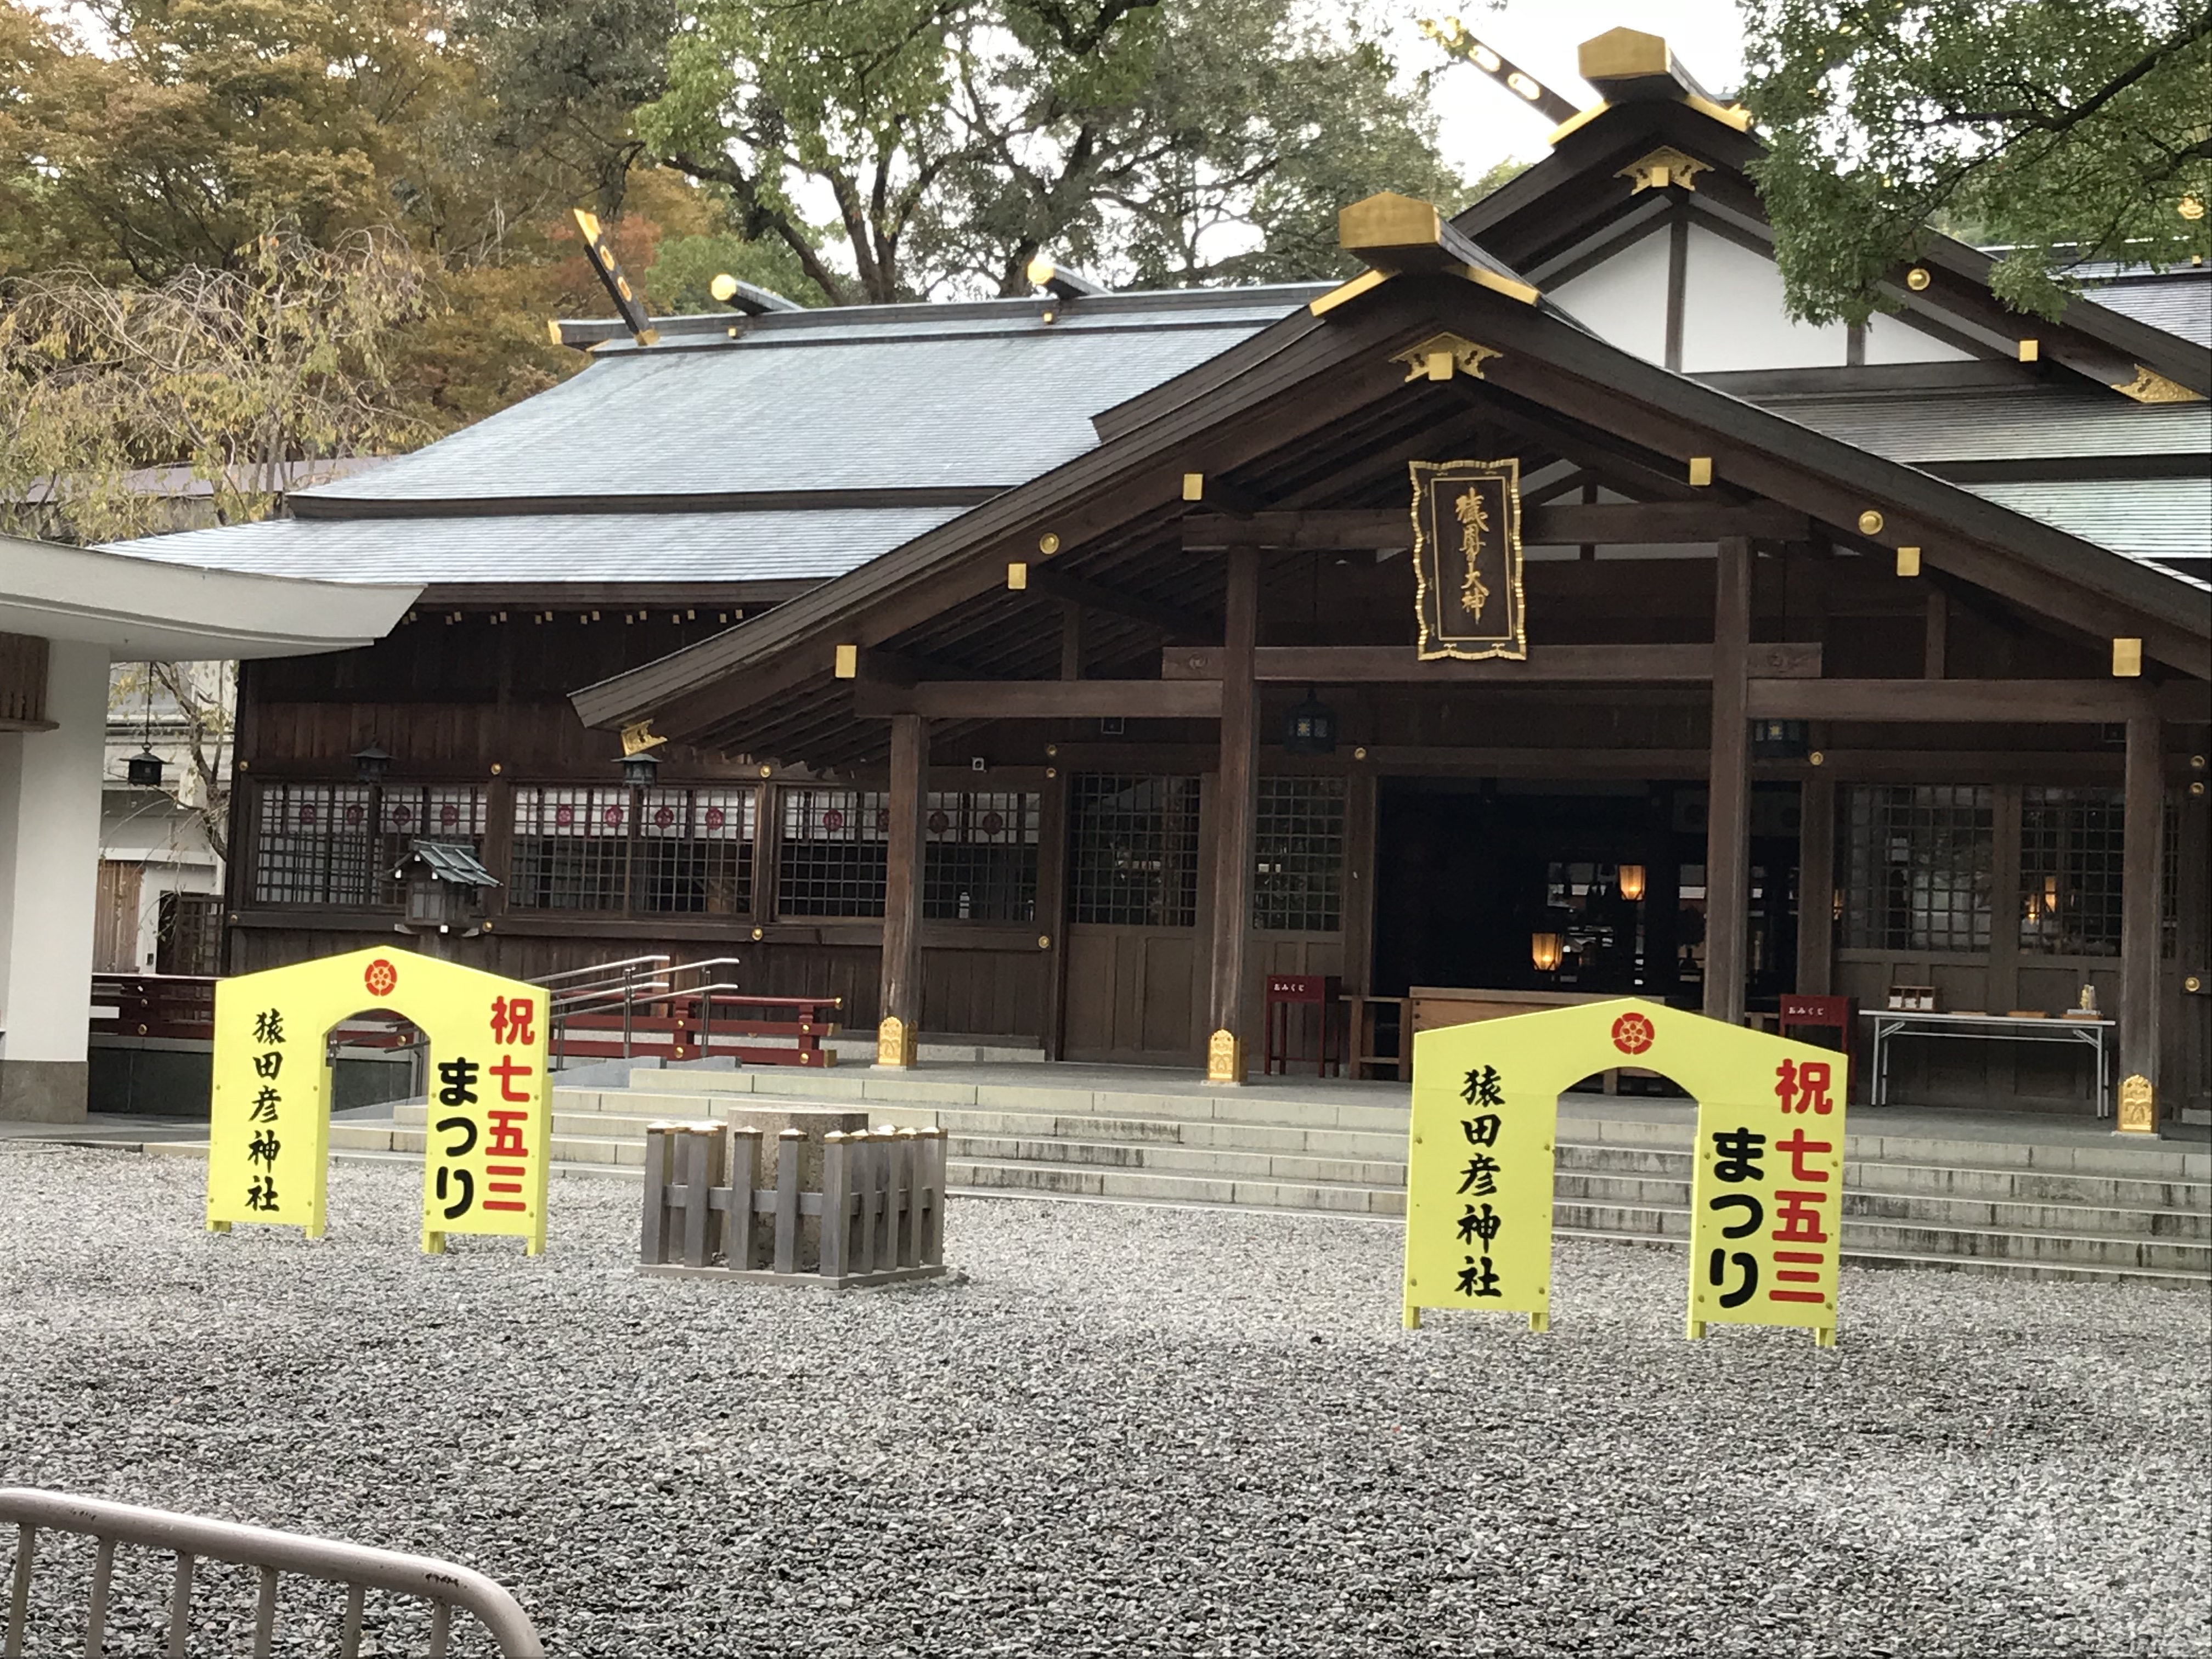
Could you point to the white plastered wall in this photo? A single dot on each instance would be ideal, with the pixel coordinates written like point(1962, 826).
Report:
point(1623, 301)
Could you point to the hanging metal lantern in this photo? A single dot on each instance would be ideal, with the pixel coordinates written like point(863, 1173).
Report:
point(370, 764)
point(638, 769)
point(1777, 740)
point(1310, 727)
point(143, 769)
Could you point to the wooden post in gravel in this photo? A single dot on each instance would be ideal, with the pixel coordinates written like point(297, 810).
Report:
point(744, 1178)
point(702, 1162)
point(653, 1239)
point(786, 1200)
point(836, 1228)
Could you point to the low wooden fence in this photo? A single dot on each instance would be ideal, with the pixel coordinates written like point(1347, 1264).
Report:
point(878, 1212)
point(687, 1025)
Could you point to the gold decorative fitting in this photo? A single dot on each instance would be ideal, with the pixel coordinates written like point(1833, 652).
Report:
point(1224, 1058)
point(1917, 279)
point(1052, 771)
point(1193, 486)
point(495, 768)
point(1908, 561)
point(2192, 983)
point(1044, 941)
point(2196, 790)
point(2138, 1113)
point(765, 771)
point(1818, 757)
point(1661, 167)
point(2127, 658)
point(2197, 762)
point(1017, 577)
point(1465, 356)
point(1052, 748)
point(760, 933)
point(724, 288)
point(847, 663)
point(1871, 523)
point(2031, 351)
point(2190, 209)
point(636, 739)
point(1701, 471)
point(553, 330)
point(1359, 753)
point(1048, 543)
point(2148, 387)
point(895, 1043)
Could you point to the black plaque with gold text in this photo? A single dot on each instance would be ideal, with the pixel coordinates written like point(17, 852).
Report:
point(1466, 559)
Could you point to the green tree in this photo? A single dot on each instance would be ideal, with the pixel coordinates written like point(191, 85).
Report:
point(2070, 130)
point(1157, 140)
point(229, 374)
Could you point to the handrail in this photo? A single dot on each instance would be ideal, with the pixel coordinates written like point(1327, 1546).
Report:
point(549, 980)
point(443, 1584)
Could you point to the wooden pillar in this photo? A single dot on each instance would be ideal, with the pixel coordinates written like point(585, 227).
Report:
point(1728, 800)
point(2143, 827)
point(899, 1028)
point(1816, 885)
point(1232, 868)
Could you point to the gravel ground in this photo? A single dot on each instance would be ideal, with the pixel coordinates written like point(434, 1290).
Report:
point(1125, 1431)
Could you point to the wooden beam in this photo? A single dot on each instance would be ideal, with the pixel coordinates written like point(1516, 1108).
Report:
point(1602, 524)
point(1816, 885)
point(1397, 665)
point(902, 884)
point(2033, 702)
point(1221, 495)
point(873, 665)
point(1018, 700)
point(2143, 826)
point(1728, 812)
point(1228, 1036)
point(1171, 620)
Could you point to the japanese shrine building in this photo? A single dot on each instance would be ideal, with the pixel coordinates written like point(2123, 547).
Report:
point(974, 632)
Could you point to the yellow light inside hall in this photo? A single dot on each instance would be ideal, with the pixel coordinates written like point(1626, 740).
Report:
point(1543, 951)
point(1632, 882)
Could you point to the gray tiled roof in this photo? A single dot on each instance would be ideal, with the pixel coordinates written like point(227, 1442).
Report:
point(842, 405)
point(2161, 518)
point(516, 549)
point(1921, 427)
point(2179, 301)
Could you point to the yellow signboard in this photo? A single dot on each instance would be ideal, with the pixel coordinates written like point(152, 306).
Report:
point(489, 1124)
point(1770, 1129)
point(1479, 1172)
point(1766, 1193)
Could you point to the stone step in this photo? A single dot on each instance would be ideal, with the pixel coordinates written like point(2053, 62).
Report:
point(1236, 1163)
point(1009, 1177)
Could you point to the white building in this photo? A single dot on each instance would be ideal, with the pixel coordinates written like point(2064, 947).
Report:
point(66, 614)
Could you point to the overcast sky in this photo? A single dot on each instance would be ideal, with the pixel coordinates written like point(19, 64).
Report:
point(1482, 123)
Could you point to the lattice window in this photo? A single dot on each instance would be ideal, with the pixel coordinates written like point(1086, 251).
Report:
point(416, 811)
point(2071, 850)
point(1297, 877)
point(1917, 866)
point(831, 860)
point(313, 845)
point(1133, 851)
point(694, 851)
point(980, 856)
point(571, 849)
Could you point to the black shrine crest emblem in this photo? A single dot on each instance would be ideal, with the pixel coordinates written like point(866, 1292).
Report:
point(1466, 560)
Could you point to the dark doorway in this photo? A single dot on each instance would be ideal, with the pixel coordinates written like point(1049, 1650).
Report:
point(1478, 878)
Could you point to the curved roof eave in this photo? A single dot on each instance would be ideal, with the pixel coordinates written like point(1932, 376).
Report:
point(147, 610)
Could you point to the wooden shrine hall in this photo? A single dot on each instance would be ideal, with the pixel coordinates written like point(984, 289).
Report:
point(1539, 613)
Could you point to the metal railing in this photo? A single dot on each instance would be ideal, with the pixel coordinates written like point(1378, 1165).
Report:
point(195, 1538)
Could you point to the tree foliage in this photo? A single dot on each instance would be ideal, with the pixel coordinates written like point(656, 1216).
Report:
point(1156, 140)
point(2070, 130)
point(229, 374)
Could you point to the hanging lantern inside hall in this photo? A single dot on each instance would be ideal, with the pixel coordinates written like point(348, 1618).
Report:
point(143, 769)
point(1310, 727)
point(370, 765)
point(638, 769)
point(1777, 740)
point(1543, 951)
point(1632, 882)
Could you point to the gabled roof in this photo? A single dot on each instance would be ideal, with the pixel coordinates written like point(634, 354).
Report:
point(1308, 389)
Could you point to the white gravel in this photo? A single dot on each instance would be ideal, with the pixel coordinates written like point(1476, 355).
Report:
point(1127, 1430)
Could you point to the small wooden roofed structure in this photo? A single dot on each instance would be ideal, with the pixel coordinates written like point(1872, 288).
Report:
point(1100, 590)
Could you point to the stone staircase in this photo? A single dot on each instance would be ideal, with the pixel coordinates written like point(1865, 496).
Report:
point(2083, 1207)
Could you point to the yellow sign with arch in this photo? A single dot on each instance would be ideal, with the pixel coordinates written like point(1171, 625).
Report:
point(1767, 1186)
point(487, 1138)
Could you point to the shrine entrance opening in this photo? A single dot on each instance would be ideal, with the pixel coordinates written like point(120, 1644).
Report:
point(1593, 887)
